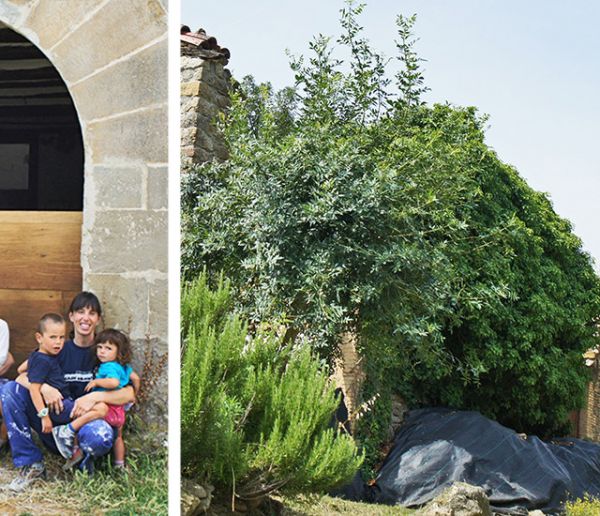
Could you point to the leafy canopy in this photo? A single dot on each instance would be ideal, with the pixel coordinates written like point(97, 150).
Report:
point(348, 203)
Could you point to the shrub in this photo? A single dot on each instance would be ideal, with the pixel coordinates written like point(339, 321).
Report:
point(255, 414)
point(585, 507)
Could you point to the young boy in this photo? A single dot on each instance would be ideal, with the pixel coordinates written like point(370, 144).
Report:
point(43, 367)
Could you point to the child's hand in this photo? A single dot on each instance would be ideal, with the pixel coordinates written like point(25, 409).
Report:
point(90, 386)
point(46, 425)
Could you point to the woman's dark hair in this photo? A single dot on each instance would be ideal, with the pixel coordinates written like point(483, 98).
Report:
point(86, 300)
point(119, 339)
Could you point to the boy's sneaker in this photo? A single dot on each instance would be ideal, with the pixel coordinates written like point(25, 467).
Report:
point(64, 438)
point(27, 476)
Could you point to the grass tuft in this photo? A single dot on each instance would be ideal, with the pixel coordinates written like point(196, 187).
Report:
point(141, 489)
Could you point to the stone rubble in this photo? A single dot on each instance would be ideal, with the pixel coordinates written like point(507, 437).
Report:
point(458, 500)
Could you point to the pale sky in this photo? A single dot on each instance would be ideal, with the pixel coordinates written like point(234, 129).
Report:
point(533, 67)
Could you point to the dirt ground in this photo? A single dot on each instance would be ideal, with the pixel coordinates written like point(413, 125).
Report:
point(41, 498)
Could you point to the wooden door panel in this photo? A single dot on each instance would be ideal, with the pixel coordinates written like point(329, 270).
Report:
point(39, 270)
point(40, 250)
point(22, 310)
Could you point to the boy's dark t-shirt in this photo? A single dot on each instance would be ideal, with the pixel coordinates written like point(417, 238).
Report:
point(77, 365)
point(43, 368)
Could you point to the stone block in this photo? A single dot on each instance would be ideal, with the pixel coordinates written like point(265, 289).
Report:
point(188, 136)
point(460, 498)
point(150, 359)
point(191, 118)
point(117, 187)
point(114, 31)
point(136, 82)
point(205, 140)
point(140, 136)
point(158, 188)
point(127, 242)
point(190, 89)
point(208, 107)
point(158, 317)
point(11, 13)
point(189, 104)
point(124, 301)
point(52, 20)
point(219, 84)
point(191, 68)
point(195, 498)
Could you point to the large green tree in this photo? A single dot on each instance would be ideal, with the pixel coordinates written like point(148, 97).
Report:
point(349, 203)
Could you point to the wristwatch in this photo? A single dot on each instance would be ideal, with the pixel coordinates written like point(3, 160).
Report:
point(43, 413)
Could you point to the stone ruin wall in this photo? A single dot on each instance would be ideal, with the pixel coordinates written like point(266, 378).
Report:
point(205, 84)
point(589, 418)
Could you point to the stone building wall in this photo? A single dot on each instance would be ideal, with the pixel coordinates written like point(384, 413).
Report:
point(589, 417)
point(205, 84)
point(112, 56)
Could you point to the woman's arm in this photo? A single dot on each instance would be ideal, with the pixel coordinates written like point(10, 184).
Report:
point(105, 383)
point(51, 395)
point(135, 381)
point(117, 397)
point(22, 368)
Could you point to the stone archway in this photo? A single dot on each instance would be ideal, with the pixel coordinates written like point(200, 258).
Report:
point(41, 190)
point(112, 56)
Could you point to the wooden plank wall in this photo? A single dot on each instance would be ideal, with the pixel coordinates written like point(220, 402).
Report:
point(40, 270)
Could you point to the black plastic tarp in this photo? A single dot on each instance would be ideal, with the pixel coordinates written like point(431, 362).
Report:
point(436, 447)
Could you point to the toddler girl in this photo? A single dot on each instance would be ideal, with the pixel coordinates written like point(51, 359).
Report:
point(113, 352)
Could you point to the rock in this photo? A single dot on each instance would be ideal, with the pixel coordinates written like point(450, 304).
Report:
point(195, 498)
point(458, 500)
point(537, 512)
point(399, 409)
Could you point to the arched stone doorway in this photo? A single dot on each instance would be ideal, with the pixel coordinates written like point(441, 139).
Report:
point(41, 190)
point(112, 57)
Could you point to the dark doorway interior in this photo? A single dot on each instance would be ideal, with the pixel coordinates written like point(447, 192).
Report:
point(41, 148)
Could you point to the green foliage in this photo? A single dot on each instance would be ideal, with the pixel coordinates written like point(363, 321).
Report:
point(585, 507)
point(355, 206)
point(255, 414)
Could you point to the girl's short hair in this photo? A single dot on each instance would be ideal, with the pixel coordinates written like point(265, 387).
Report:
point(119, 339)
point(86, 300)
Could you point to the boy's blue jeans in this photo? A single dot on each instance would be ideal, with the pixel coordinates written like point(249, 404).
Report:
point(20, 416)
